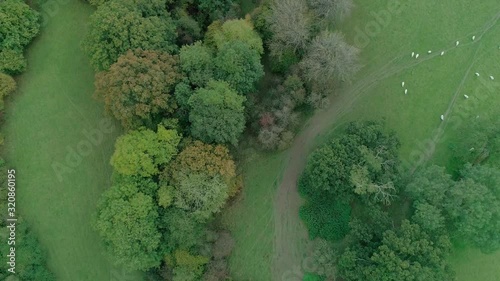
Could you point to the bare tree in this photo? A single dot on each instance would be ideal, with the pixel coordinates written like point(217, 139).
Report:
point(332, 9)
point(330, 58)
point(290, 24)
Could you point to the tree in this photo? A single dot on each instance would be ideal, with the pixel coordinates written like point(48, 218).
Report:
point(234, 30)
point(470, 206)
point(200, 195)
point(198, 157)
point(20, 24)
point(214, 9)
point(144, 152)
point(217, 113)
point(407, 253)
point(182, 231)
point(7, 87)
point(239, 65)
point(138, 88)
point(188, 267)
point(119, 26)
point(329, 58)
point(197, 63)
point(290, 25)
point(131, 244)
point(332, 10)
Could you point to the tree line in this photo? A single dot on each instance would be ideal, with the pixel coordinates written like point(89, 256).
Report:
point(380, 223)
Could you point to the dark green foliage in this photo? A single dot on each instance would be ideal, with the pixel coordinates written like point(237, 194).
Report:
point(217, 113)
point(184, 232)
point(197, 63)
point(470, 207)
point(7, 87)
point(406, 253)
point(129, 243)
point(30, 259)
point(239, 65)
point(214, 9)
point(283, 63)
point(119, 26)
point(326, 218)
point(19, 25)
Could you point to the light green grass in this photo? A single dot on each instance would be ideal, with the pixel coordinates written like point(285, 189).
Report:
point(250, 218)
point(45, 117)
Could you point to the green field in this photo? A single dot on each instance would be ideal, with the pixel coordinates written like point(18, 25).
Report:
point(45, 120)
point(436, 85)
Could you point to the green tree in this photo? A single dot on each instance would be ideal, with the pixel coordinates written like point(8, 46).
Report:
point(335, 167)
point(234, 30)
point(20, 24)
point(144, 152)
point(198, 157)
point(197, 63)
point(239, 65)
point(217, 113)
point(129, 243)
point(138, 88)
point(188, 267)
point(119, 26)
point(407, 253)
point(181, 230)
point(201, 195)
point(7, 87)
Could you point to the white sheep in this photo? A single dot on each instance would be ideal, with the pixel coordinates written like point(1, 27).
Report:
point(412, 54)
point(466, 96)
point(406, 91)
point(442, 117)
point(442, 53)
point(429, 52)
point(477, 74)
point(458, 42)
point(473, 37)
point(402, 84)
point(416, 56)
point(492, 78)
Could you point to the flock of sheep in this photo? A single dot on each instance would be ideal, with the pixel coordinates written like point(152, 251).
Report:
point(416, 55)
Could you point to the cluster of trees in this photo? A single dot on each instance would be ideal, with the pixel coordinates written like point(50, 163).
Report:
point(360, 169)
point(308, 59)
point(19, 25)
point(182, 103)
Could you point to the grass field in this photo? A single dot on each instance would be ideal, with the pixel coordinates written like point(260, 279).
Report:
point(250, 219)
point(46, 119)
point(436, 85)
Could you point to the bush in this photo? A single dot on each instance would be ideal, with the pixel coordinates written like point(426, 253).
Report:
point(326, 217)
point(312, 277)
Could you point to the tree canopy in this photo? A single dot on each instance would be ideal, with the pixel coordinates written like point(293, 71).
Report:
point(119, 26)
point(7, 87)
point(138, 88)
point(234, 30)
point(131, 244)
point(197, 63)
point(143, 152)
point(217, 113)
point(361, 161)
point(329, 58)
point(239, 65)
point(20, 24)
point(406, 253)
